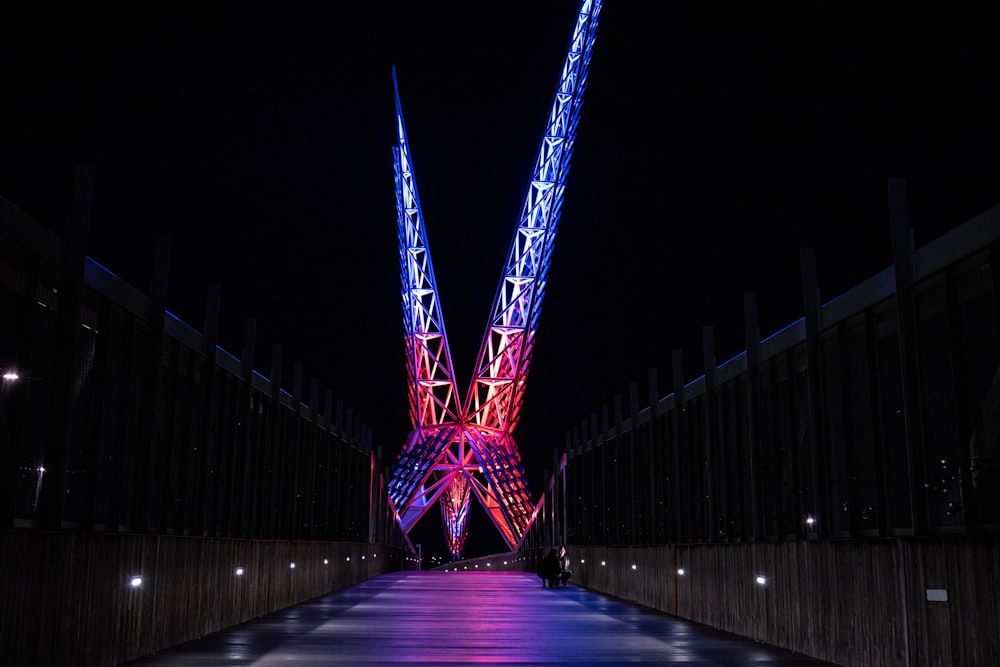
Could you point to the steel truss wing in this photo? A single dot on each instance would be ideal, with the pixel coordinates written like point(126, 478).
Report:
point(458, 449)
point(497, 391)
point(423, 472)
point(433, 395)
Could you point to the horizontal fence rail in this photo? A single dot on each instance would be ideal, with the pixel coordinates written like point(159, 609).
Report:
point(116, 416)
point(823, 431)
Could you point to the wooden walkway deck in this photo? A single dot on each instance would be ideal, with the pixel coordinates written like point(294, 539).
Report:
point(456, 618)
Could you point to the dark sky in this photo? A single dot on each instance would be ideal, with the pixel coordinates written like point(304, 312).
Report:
point(716, 140)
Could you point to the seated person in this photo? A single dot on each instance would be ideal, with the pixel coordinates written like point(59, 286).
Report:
point(554, 568)
point(564, 569)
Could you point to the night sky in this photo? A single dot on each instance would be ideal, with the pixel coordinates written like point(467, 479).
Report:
point(715, 141)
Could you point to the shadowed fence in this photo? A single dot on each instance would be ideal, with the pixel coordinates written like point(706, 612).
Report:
point(851, 460)
point(134, 446)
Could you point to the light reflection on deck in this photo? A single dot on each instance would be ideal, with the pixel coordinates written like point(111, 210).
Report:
point(455, 618)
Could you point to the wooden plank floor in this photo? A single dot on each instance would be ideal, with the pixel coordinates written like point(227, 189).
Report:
point(454, 618)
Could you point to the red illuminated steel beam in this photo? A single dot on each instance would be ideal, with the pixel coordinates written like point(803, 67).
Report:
point(459, 450)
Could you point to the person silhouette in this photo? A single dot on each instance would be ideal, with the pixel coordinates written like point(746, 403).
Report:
point(548, 569)
point(564, 571)
point(554, 569)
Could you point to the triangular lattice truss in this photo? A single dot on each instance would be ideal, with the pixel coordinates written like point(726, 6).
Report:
point(457, 449)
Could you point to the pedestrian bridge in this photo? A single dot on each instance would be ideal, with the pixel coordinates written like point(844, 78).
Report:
point(833, 490)
point(465, 617)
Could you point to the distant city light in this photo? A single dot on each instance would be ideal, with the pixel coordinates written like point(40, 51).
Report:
point(239, 572)
point(136, 582)
point(761, 580)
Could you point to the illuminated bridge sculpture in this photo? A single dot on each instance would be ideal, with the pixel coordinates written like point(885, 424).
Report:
point(461, 448)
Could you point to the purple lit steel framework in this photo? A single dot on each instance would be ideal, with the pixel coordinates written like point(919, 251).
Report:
point(458, 449)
